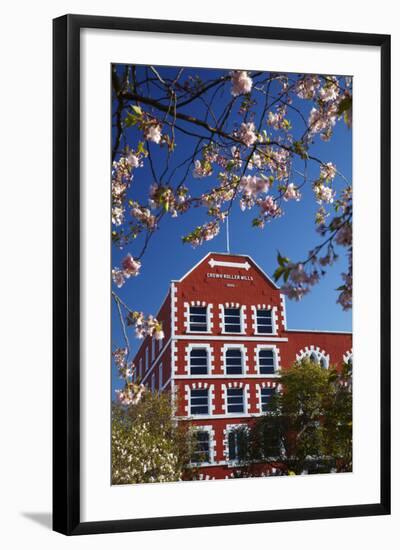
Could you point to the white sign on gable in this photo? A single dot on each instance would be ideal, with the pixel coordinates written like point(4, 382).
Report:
point(243, 265)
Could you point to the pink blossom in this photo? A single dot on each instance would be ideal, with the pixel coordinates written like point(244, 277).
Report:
point(323, 193)
point(344, 236)
point(255, 161)
point(153, 133)
point(202, 169)
point(294, 292)
point(298, 274)
point(252, 185)
point(327, 171)
point(133, 160)
point(119, 355)
point(241, 83)
point(322, 120)
point(292, 193)
point(130, 266)
point(118, 277)
point(270, 207)
point(117, 215)
point(143, 215)
point(330, 91)
point(247, 133)
point(307, 86)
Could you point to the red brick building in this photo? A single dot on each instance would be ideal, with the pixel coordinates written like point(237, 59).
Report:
point(226, 341)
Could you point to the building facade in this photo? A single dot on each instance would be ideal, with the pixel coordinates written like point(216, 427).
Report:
point(225, 343)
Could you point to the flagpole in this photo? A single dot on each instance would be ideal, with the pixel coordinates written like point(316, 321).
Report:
point(227, 235)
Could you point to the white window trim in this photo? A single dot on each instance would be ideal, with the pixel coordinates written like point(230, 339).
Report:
point(246, 398)
point(264, 385)
point(243, 350)
point(243, 318)
point(230, 428)
point(274, 316)
point(210, 359)
point(348, 356)
point(277, 358)
point(317, 351)
point(198, 303)
point(211, 398)
point(212, 444)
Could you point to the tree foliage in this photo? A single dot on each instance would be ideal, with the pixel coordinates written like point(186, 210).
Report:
point(148, 445)
point(308, 425)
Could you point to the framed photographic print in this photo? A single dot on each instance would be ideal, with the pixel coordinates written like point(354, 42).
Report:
point(221, 311)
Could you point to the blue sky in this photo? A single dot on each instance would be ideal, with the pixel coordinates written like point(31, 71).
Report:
point(293, 234)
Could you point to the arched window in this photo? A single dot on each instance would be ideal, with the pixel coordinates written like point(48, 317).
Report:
point(314, 354)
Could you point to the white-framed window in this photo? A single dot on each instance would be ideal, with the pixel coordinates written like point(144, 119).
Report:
point(266, 396)
point(199, 401)
point(266, 361)
point(314, 354)
point(232, 319)
point(201, 450)
point(233, 360)
point(265, 321)
point(235, 401)
point(237, 443)
point(198, 319)
point(198, 360)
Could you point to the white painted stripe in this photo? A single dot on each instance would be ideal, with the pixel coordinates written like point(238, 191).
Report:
point(229, 338)
point(240, 265)
point(224, 376)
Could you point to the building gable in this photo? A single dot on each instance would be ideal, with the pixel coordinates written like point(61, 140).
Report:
point(229, 269)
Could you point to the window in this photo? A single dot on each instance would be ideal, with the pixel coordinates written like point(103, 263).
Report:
point(198, 319)
point(233, 361)
point(319, 361)
point(147, 359)
point(153, 348)
point(237, 443)
point(199, 402)
point(264, 321)
point(232, 321)
point(270, 442)
point(199, 361)
point(266, 361)
point(235, 400)
point(201, 447)
point(266, 395)
point(153, 383)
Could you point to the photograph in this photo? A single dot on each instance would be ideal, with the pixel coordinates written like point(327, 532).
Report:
point(230, 274)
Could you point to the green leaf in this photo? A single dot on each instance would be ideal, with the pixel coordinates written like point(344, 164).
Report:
point(141, 148)
point(137, 109)
point(344, 105)
point(279, 272)
point(282, 260)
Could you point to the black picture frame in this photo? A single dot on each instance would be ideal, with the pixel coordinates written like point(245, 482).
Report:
point(66, 271)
